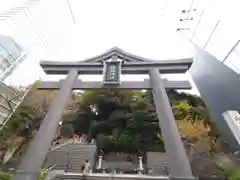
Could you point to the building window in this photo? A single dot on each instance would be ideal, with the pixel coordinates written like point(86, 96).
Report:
point(10, 59)
point(10, 51)
point(5, 64)
point(4, 56)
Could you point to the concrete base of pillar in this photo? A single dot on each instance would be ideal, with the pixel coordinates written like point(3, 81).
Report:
point(183, 178)
point(28, 176)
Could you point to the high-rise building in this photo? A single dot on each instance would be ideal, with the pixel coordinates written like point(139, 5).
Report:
point(11, 54)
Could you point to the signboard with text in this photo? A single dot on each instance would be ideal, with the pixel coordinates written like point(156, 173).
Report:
point(112, 72)
point(233, 120)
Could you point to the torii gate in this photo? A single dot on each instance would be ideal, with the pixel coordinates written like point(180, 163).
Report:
point(111, 64)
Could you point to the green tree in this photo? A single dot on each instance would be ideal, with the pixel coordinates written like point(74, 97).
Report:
point(123, 121)
point(143, 126)
point(67, 130)
point(26, 120)
point(102, 111)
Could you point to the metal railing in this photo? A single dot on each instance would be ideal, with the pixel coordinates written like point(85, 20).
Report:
point(68, 166)
point(49, 169)
point(40, 173)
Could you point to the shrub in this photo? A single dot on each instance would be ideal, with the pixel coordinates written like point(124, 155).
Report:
point(233, 173)
point(5, 176)
point(42, 174)
point(8, 176)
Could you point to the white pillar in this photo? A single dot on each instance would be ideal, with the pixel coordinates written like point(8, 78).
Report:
point(100, 158)
point(140, 164)
point(92, 141)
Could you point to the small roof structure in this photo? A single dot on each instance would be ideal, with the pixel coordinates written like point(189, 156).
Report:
point(115, 51)
point(132, 64)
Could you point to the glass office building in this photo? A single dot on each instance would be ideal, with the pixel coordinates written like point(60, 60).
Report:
point(11, 54)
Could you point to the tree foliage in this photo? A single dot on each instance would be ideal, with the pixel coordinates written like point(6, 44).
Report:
point(122, 121)
point(119, 121)
point(193, 110)
point(67, 131)
point(126, 121)
point(26, 119)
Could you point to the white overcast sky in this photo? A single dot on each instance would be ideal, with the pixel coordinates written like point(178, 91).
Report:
point(145, 28)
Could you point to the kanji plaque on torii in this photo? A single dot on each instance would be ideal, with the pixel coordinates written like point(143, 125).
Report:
point(112, 70)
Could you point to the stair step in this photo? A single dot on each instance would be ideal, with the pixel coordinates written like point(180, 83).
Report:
point(70, 157)
point(101, 177)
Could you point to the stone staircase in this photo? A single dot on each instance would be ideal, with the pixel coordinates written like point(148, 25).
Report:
point(159, 169)
point(157, 163)
point(71, 156)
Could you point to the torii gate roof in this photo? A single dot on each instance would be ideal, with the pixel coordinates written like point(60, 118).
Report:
point(132, 64)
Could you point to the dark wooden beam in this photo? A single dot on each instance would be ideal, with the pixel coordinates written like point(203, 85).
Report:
point(134, 85)
point(173, 62)
point(90, 70)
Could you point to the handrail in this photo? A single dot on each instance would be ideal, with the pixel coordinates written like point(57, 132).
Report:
point(112, 175)
point(44, 172)
point(49, 169)
point(69, 160)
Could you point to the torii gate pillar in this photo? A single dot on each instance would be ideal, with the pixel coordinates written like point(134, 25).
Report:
point(179, 165)
point(39, 147)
